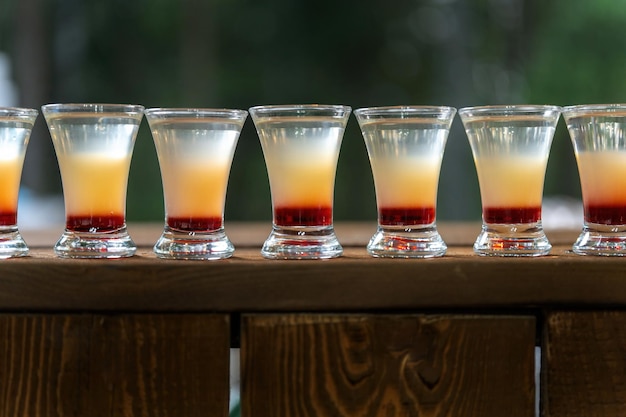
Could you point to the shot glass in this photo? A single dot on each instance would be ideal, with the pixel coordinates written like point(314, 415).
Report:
point(598, 134)
point(301, 146)
point(511, 145)
point(16, 125)
point(405, 145)
point(94, 145)
point(195, 149)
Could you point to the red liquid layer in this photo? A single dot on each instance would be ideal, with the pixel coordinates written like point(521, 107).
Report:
point(510, 215)
point(92, 224)
point(194, 224)
point(8, 218)
point(605, 214)
point(303, 216)
point(405, 216)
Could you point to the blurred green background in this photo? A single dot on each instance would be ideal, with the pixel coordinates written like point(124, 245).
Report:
point(240, 53)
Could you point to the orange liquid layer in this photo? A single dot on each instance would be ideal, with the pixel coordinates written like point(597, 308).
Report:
point(603, 179)
point(10, 172)
point(406, 182)
point(194, 188)
point(301, 176)
point(94, 184)
point(511, 181)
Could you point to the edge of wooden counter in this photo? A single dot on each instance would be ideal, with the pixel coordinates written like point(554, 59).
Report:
point(354, 282)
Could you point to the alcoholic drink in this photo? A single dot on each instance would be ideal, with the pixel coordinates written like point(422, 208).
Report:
point(406, 187)
point(10, 173)
point(405, 146)
point(94, 145)
point(511, 188)
point(510, 146)
point(301, 146)
point(603, 183)
point(15, 128)
point(195, 165)
point(14, 136)
point(301, 158)
point(94, 188)
point(405, 156)
point(195, 148)
point(598, 136)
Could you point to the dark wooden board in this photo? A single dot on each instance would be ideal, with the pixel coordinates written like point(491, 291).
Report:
point(114, 365)
point(584, 366)
point(42, 365)
point(387, 365)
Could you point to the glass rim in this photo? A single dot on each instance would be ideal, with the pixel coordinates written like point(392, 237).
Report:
point(93, 108)
point(290, 109)
point(593, 108)
point(25, 112)
point(417, 110)
point(196, 111)
point(509, 109)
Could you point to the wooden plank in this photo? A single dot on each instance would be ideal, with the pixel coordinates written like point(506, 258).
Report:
point(351, 283)
point(388, 365)
point(128, 365)
point(584, 369)
point(165, 365)
point(41, 365)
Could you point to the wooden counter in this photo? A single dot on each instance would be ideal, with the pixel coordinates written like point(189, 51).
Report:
point(353, 336)
point(356, 281)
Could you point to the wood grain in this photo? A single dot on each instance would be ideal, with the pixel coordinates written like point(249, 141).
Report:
point(585, 364)
point(352, 283)
point(387, 365)
point(42, 361)
point(114, 365)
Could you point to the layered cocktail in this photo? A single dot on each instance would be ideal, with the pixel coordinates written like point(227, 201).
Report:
point(511, 145)
point(511, 188)
point(301, 147)
point(94, 144)
point(195, 148)
point(598, 134)
point(405, 145)
point(95, 191)
point(15, 128)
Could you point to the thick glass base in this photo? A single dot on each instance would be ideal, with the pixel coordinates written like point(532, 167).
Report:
point(404, 242)
point(601, 240)
point(193, 246)
point(302, 243)
point(523, 239)
point(116, 244)
point(11, 243)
